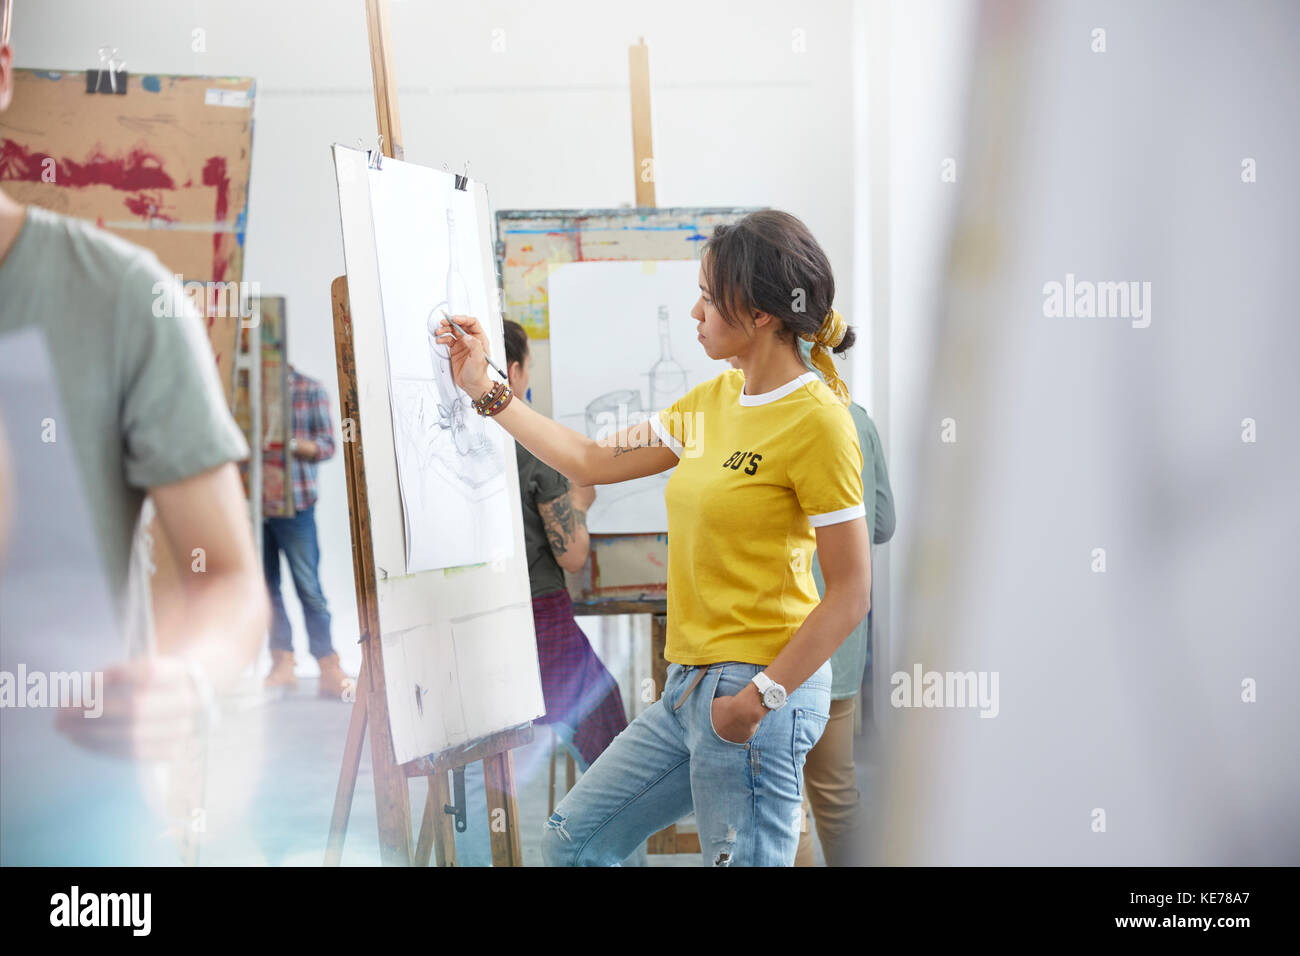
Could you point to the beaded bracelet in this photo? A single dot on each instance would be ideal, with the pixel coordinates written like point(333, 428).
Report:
point(495, 400)
point(481, 403)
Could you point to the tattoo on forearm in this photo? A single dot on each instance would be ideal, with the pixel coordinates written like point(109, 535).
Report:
point(563, 511)
point(557, 541)
point(562, 523)
point(653, 440)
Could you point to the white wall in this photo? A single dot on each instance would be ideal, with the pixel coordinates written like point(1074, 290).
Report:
point(1107, 535)
point(740, 118)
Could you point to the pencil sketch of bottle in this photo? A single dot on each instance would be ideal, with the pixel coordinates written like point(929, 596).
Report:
point(611, 412)
point(470, 455)
point(667, 377)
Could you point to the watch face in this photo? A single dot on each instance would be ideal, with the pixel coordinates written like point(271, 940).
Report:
point(774, 697)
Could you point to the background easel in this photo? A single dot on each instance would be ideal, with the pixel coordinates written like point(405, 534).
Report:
point(653, 599)
point(625, 573)
point(371, 708)
point(667, 840)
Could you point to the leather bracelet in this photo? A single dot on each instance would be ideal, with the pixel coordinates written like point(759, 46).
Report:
point(501, 402)
point(495, 400)
point(478, 402)
point(481, 403)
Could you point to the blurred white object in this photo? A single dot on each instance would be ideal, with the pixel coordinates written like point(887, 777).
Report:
point(1124, 693)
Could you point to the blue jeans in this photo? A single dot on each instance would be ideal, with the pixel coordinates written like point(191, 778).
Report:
point(474, 846)
point(296, 537)
point(747, 796)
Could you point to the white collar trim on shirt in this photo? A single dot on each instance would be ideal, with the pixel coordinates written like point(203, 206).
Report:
point(779, 392)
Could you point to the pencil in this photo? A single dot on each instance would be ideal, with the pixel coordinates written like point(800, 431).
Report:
point(461, 332)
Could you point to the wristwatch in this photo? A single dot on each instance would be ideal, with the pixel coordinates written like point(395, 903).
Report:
point(773, 693)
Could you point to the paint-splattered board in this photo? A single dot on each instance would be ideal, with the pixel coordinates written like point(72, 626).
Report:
point(624, 567)
point(165, 166)
point(528, 241)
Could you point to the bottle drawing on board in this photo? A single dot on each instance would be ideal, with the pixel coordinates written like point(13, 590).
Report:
point(612, 411)
point(475, 461)
point(667, 377)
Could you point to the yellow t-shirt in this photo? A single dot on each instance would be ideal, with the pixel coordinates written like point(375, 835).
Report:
point(755, 475)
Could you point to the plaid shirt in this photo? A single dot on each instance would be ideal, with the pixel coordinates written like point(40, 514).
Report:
point(311, 420)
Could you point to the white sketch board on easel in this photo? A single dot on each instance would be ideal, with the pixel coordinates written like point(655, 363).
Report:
point(623, 346)
point(460, 652)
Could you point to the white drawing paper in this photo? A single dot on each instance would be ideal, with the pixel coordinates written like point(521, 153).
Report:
point(480, 642)
point(624, 346)
point(450, 460)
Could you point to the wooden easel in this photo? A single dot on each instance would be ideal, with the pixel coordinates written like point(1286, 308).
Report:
point(667, 840)
point(371, 706)
point(651, 601)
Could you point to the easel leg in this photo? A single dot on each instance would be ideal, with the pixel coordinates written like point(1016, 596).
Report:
point(658, 642)
point(347, 778)
point(444, 826)
point(551, 804)
point(437, 829)
point(499, 777)
point(392, 803)
point(424, 846)
point(665, 841)
point(392, 800)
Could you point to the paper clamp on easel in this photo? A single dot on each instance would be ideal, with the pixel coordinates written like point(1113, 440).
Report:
point(375, 160)
point(462, 182)
point(375, 156)
point(109, 68)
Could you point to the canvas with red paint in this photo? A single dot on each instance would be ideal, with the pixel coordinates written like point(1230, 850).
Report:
point(165, 166)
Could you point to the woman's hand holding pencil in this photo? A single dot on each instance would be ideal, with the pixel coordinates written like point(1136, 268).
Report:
point(469, 353)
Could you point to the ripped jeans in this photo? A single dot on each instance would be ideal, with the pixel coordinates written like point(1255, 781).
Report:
point(747, 797)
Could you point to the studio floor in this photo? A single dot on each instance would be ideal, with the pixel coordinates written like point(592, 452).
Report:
point(283, 819)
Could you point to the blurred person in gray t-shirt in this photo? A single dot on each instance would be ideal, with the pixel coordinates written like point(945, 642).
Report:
point(145, 415)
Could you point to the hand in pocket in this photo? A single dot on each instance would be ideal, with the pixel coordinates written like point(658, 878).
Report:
point(733, 721)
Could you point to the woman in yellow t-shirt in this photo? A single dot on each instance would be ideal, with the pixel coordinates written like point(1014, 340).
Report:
point(767, 470)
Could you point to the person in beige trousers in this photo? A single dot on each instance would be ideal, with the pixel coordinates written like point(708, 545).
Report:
point(830, 776)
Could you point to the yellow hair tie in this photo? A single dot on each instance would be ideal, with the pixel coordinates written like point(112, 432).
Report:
point(831, 334)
